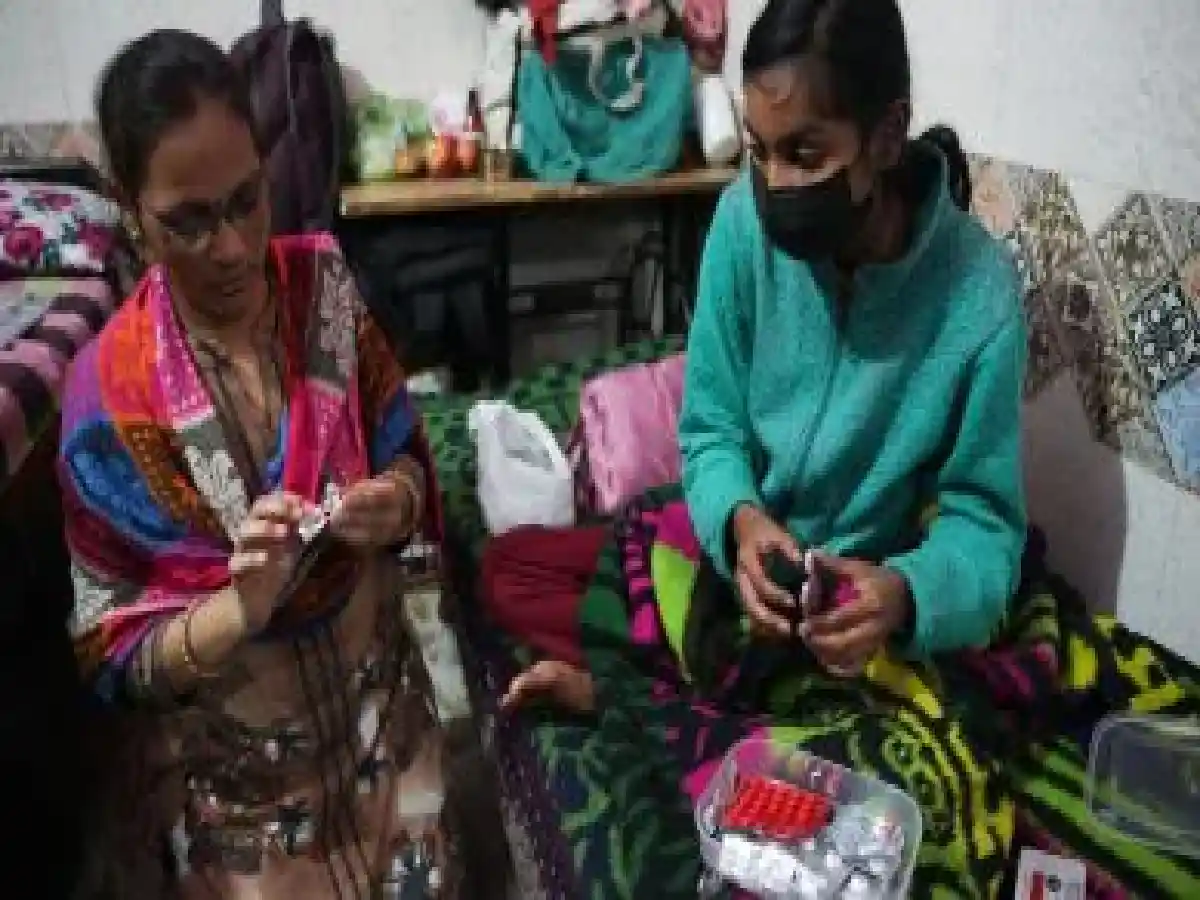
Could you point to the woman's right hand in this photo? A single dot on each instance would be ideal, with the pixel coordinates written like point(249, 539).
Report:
point(264, 554)
point(756, 536)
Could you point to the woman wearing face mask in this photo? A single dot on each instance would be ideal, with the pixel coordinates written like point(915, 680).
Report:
point(856, 353)
point(854, 374)
point(855, 359)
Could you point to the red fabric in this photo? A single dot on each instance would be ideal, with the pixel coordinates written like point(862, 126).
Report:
point(532, 581)
point(544, 14)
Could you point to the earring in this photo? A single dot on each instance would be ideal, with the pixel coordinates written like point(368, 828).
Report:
point(132, 229)
point(135, 244)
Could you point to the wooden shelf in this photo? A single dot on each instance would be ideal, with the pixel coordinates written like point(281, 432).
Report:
point(427, 195)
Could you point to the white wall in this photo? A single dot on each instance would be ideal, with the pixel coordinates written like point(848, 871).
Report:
point(52, 50)
point(1106, 91)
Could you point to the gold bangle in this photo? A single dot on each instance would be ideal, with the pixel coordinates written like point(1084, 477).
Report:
point(189, 649)
point(412, 505)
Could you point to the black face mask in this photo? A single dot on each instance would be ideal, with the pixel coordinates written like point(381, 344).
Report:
point(811, 222)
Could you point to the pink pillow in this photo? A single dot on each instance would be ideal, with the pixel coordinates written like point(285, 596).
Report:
point(629, 432)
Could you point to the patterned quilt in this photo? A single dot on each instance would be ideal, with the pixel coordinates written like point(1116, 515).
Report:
point(542, 854)
point(576, 786)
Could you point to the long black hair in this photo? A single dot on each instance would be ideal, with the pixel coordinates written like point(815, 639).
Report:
point(862, 46)
point(153, 84)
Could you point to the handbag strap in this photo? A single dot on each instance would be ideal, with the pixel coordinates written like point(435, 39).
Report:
point(598, 46)
point(597, 43)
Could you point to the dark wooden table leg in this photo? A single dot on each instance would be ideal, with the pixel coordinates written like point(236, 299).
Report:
point(501, 319)
point(668, 221)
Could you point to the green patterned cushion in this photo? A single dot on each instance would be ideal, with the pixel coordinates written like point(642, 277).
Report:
point(552, 392)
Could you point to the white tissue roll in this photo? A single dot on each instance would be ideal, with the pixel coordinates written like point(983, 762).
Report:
point(720, 137)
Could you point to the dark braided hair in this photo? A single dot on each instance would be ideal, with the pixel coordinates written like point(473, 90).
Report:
point(153, 84)
point(865, 54)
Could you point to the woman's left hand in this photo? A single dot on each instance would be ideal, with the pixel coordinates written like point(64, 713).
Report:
point(375, 513)
point(845, 638)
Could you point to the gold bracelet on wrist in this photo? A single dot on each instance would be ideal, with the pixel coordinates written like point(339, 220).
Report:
point(412, 505)
point(189, 649)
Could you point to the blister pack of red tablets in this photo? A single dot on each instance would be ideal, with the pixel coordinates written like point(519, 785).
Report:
point(775, 810)
point(779, 823)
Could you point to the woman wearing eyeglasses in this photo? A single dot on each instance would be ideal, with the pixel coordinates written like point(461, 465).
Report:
point(286, 738)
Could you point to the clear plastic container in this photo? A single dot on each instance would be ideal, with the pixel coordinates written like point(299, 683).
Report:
point(848, 790)
point(1144, 780)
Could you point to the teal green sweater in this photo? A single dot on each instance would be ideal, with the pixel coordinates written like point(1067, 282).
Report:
point(844, 426)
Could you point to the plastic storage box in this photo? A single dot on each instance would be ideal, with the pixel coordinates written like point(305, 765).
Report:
point(865, 850)
point(1144, 780)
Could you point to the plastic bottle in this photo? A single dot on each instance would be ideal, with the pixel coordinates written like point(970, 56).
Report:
point(470, 144)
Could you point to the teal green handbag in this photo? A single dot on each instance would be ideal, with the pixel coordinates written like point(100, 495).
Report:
point(608, 111)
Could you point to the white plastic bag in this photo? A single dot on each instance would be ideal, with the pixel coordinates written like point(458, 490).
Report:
point(524, 478)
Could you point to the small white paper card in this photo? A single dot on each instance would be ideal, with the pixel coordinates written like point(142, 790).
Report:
point(1041, 876)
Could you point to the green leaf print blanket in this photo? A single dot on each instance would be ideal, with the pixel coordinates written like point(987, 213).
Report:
point(992, 744)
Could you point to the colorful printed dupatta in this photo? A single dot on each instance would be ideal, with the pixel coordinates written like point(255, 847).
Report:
point(151, 493)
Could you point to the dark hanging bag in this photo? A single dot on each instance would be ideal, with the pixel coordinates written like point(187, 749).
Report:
point(302, 117)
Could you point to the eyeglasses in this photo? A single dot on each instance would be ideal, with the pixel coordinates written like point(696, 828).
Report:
point(193, 224)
